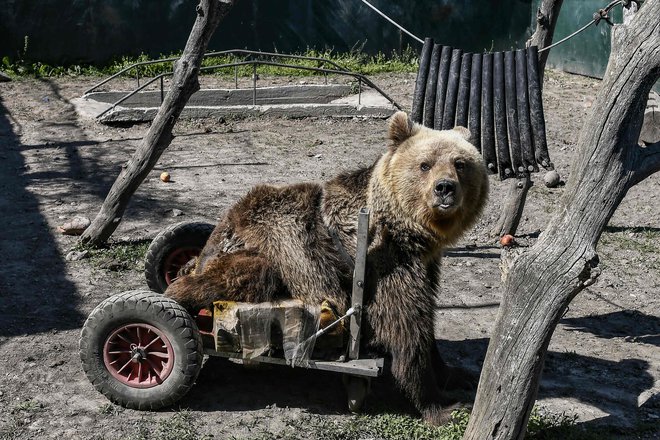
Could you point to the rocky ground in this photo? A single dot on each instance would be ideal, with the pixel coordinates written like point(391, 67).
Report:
point(603, 364)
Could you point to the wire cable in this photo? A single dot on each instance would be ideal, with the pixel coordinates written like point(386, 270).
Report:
point(393, 22)
point(597, 16)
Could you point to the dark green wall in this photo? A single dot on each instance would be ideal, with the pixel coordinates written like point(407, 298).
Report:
point(588, 52)
point(95, 31)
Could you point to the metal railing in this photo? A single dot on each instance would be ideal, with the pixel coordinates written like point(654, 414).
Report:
point(338, 70)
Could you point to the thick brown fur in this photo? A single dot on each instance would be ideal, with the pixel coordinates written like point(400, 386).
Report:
point(275, 243)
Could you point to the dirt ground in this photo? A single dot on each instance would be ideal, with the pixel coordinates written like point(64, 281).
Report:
point(603, 363)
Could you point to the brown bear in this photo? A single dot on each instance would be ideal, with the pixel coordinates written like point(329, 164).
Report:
point(277, 242)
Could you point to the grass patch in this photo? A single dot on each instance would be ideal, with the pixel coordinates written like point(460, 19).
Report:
point(541, 426)
point(645, 241)
point(118, 256)
point(29, 406)
point(182, 425)
point(355, 61)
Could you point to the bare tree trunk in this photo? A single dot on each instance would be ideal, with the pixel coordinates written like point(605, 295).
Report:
point(546, 20)
point(159, 137)
point(541, 282)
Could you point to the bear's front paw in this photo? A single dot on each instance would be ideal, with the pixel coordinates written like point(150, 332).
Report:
point(437, 415)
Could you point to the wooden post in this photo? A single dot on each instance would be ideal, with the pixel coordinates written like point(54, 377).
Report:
point(184, 84)
point(359, 276)
point(541, 282)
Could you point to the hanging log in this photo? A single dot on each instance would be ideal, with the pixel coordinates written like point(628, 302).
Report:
point(524, 123)
point(431, 85)
point(463, 100)
point(499, 108)
point(487, 123)
point(512, 113)
point(474, 116)
point(448, 117)
point(420, 83)
point(443, 76)
point(536, 109)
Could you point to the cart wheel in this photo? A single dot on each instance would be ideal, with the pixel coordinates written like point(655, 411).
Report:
point(141, 350)
point(357, 388)
point(171, 250)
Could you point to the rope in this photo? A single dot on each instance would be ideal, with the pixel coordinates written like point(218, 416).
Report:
point(600, 15)
point(392, 21)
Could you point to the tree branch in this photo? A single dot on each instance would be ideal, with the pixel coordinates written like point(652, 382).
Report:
point(648, 163)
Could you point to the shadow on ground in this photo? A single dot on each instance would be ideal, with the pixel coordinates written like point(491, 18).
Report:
point(33, 298)
point(612, 387)
point(35, 293)
point(632, 325)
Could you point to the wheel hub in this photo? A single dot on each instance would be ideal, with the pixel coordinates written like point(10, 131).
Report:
point(138, 355)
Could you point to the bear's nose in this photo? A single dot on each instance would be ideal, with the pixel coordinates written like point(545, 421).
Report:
point(444, 187)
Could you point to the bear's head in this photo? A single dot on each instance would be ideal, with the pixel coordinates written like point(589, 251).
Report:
point(437, 177)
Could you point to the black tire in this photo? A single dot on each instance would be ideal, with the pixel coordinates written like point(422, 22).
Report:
point(142, 309)
point(186, 237)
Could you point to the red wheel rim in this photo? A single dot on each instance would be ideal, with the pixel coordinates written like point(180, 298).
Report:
point(176, 260)
point(138, 355)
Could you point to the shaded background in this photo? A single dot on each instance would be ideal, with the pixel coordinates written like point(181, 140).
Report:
point(96, 31)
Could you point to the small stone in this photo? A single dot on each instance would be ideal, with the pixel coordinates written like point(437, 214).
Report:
point(75, 227)
point(176, 212)
point(76, 255)
point(551, 179)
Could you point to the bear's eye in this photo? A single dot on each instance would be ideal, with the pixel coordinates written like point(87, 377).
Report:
point(425, 167)
point(459, 164)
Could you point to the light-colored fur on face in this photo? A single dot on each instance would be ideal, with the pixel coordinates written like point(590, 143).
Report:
point(418, 159)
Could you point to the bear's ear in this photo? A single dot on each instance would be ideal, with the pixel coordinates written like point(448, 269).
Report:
point(401, 128)
point(464, 132)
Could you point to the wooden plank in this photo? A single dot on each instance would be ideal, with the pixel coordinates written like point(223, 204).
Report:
point(356, 367)
point(358, 283)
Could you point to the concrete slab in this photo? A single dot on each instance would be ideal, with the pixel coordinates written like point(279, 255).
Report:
point(287, 94)
point(296, 101)
point(123, 114)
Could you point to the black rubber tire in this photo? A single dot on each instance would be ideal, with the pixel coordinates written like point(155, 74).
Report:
point(169, 318)
point(180, 235)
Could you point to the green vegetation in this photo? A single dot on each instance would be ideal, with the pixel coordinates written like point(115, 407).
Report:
point(118, 256)
point(355, 61)
point(541, 426)
point(641, 240)
point(180, 426)
point(29, 406)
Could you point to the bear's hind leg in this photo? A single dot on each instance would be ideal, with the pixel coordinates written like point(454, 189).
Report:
point(243, 275)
